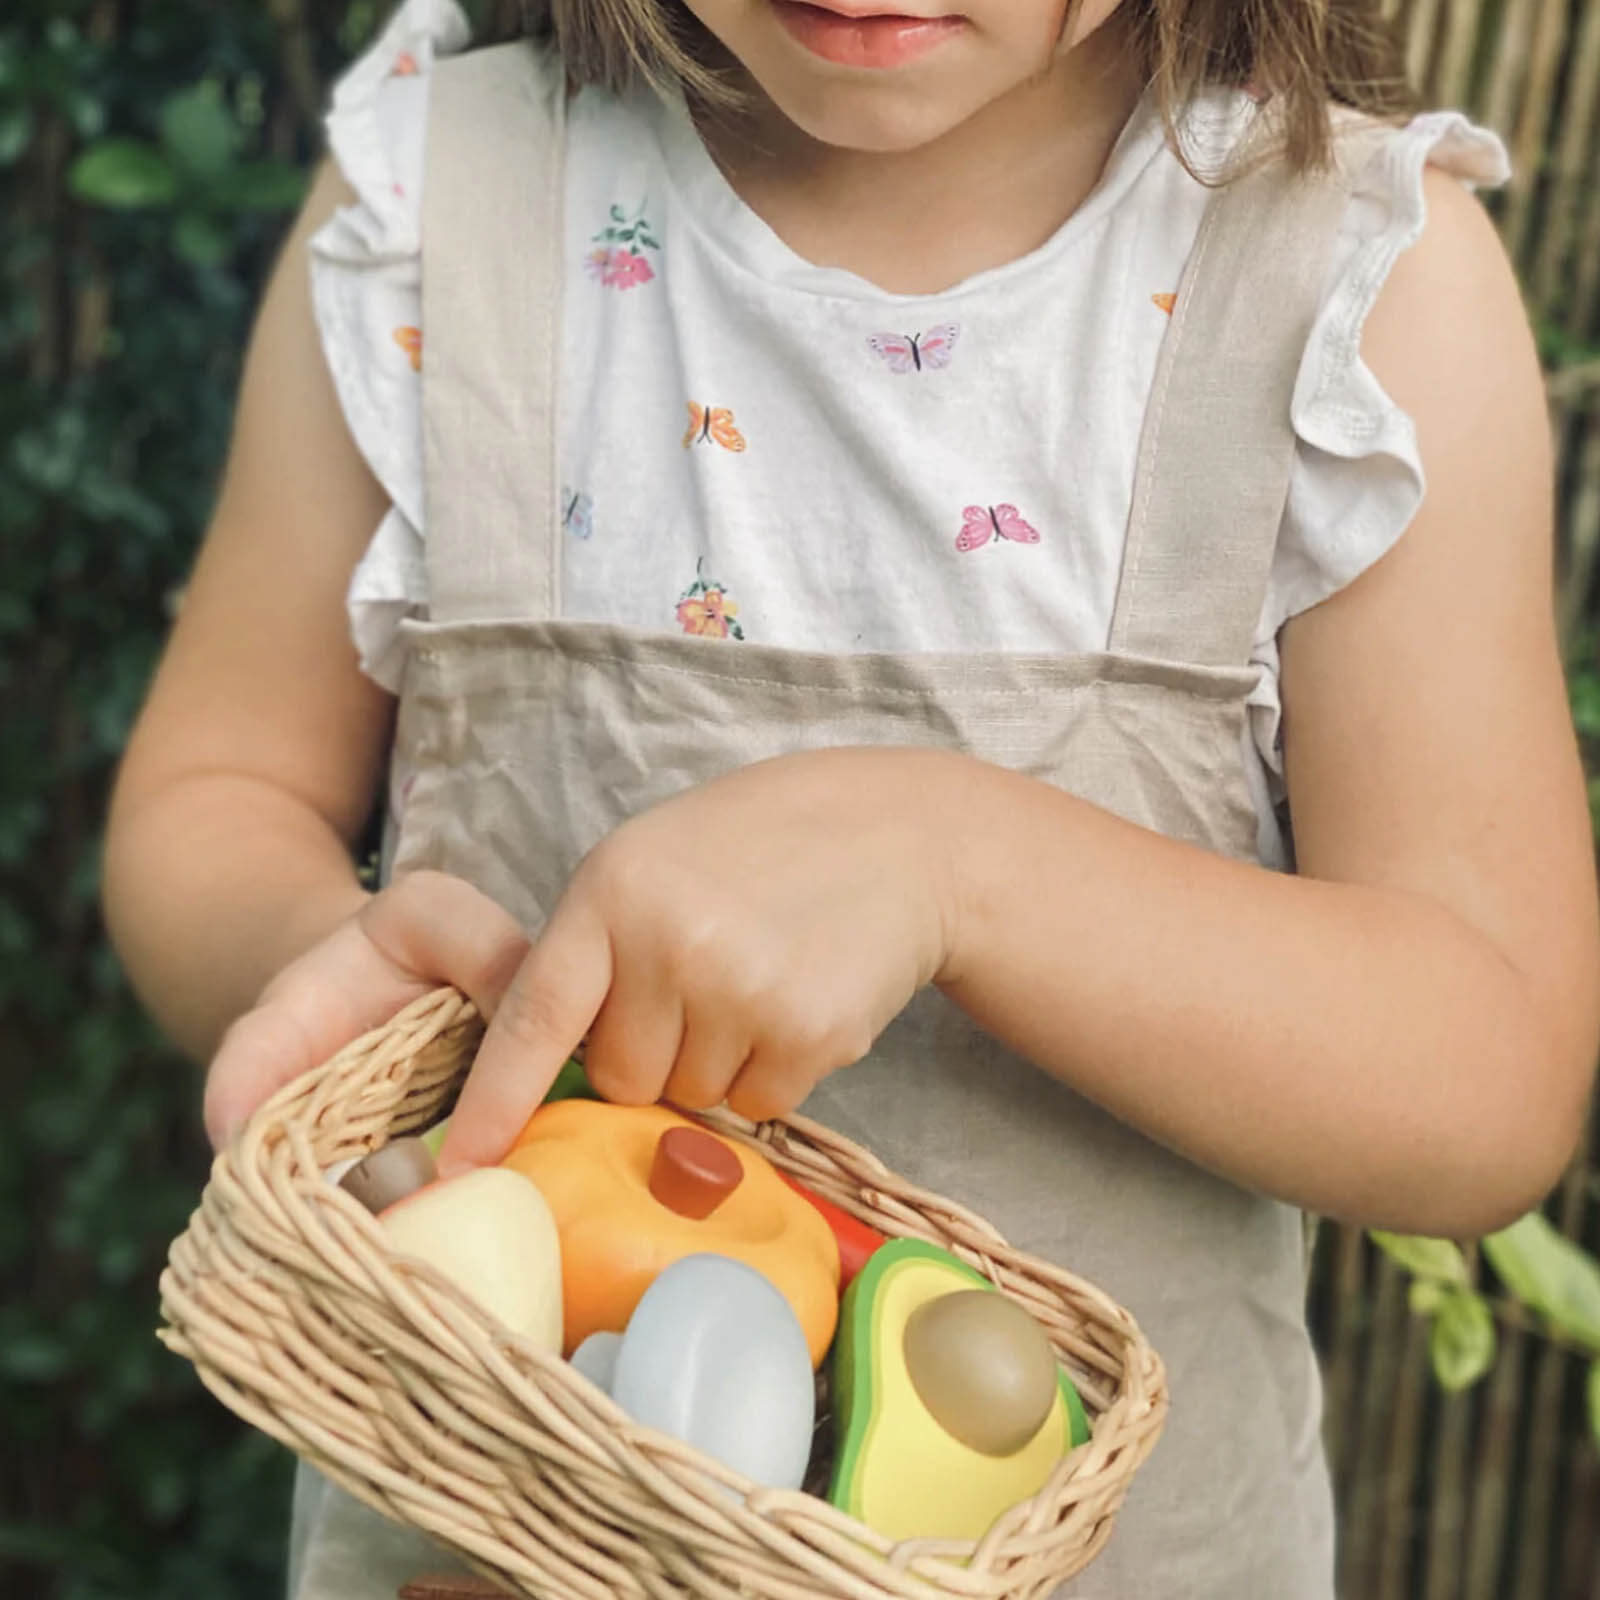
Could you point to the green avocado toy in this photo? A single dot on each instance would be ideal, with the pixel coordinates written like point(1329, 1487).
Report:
point(951, 1404)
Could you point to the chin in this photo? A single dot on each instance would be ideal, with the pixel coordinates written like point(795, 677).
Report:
point(874, 119)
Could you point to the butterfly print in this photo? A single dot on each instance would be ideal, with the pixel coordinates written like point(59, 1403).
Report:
point(577, 512)
point(410, 340)
point(1165, 301)
point(707, 423)
point(916, 352)
point(982, 523)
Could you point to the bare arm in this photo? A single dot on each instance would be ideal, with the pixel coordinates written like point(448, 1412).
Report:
point(255, 760)
point(1403, 1034)
point(1406, 1032)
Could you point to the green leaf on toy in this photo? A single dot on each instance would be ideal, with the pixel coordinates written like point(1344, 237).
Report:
point(1550, 1275)
point(571, 1083)
point(1438, 1260)
point(1462, 1340)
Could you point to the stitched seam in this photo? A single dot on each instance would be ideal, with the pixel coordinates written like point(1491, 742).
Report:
point(1147, 474)
point(1229, 692)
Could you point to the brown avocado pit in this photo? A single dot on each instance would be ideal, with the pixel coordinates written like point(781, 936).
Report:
point(983, 1368)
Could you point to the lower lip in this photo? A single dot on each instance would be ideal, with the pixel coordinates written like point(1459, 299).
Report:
point(874, 42)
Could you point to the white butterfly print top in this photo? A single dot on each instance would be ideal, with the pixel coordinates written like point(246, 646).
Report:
point(862, 470)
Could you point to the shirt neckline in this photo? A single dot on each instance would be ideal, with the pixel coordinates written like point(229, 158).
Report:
point(714, 210)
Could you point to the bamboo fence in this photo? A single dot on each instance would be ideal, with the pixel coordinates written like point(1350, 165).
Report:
point(1493, 1494)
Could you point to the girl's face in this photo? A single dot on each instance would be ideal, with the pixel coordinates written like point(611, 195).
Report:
point(865, 75)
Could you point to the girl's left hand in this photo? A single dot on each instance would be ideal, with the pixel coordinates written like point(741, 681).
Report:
point(736, 943)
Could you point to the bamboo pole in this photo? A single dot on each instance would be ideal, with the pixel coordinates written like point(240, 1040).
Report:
point(1582, 534)
point(1364, 1495)
point(1341, 1364)
point(1496, 1452)
point(1422, 32)
point(1576, 163)
point(1401, 1519)
point(1528, 140)
point(1546, 1424)
point(1452, 85)
point(1510, 69)
point(1447, 1513)
point(1580, 1548)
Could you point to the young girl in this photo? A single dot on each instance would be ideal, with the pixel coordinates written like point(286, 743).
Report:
point(864, 533)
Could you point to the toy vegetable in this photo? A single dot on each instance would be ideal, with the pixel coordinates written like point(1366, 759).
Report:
point(635, 1188)
point(714, 1356)
point(490, 1232)
point(951, 1406)
point(856, 1240)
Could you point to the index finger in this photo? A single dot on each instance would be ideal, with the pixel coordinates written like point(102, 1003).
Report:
point(542, 1016)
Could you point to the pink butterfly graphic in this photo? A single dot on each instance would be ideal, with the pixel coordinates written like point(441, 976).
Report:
point(917, 352)
point(982, 523)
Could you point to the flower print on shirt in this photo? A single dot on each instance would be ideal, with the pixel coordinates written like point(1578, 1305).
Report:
point(705, 609)
point(618, 259)
point(410, 340)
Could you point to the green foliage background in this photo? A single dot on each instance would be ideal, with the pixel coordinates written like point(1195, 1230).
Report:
point(129, 274)
point(149, 153)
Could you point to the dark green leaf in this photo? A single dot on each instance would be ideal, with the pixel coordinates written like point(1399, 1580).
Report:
point(199, 131)
point(16, 133)
point(33, 1357)
point(200, 240)
point(1461, 1342)
point(260, 186)
point(123, 173)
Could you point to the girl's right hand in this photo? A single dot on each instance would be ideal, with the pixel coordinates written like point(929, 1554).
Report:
point(425, 930)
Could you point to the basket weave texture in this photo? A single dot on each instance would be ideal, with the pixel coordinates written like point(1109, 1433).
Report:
point(285, 1296)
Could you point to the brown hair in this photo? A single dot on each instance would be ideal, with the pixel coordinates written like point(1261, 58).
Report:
point(1308, 55)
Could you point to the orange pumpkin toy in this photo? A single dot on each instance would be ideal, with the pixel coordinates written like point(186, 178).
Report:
point(635, 1188)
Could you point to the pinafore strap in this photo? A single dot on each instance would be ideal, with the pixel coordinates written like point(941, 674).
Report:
point(491, 306)
point(1218, 445)
point(1214, 460)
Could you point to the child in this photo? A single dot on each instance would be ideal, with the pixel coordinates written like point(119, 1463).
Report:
point(864, 681)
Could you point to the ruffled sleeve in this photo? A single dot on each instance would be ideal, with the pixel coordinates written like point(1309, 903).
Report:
point(366, 293)
point(1358, 477)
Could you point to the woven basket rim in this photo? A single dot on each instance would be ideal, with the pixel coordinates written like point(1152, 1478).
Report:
point(273, 1239)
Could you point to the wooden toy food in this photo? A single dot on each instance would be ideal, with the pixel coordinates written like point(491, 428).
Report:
point(390, 1173)
point(856, 1240)
point(714, 1356)
point(983, 1368)
point(490, 1232)
point(628, 1202)
point(918, 1455)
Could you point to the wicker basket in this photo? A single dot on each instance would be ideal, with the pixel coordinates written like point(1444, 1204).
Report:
point(283, 1294)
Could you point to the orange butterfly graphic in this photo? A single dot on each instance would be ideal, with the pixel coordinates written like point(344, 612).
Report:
point(410, 340)
point(712, 422)
point(1165, 301)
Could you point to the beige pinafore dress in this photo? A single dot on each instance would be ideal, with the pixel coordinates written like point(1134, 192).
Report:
point(531, 737)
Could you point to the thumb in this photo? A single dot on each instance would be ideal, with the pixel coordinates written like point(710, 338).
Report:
point(539, 1021)
point(259, 1053)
